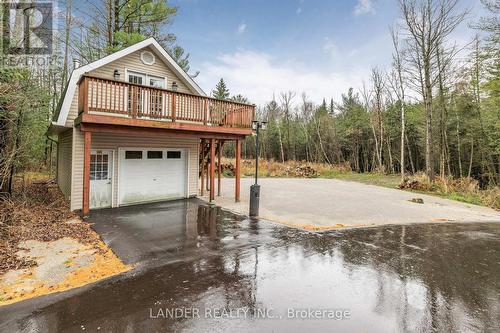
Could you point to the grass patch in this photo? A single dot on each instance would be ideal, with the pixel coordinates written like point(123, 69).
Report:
point(379, 179)
point(467, 198)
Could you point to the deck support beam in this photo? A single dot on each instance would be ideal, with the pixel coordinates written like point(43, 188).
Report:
point(207, 170)
point(237, 171)
point(219, 167)
point(212, 170)
point(202, 168)
point(87, 143)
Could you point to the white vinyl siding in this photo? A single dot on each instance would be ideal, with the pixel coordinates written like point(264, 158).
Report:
point(131, 62)
point(64, 154)
point(114, 141)
point(77, 167)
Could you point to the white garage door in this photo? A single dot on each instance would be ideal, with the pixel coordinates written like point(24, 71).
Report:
point(149, 174)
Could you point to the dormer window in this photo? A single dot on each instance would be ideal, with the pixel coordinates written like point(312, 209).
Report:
point(147, 57)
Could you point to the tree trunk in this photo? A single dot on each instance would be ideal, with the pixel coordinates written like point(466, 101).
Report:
point(459, 153)
point(429, 165)
point(391, 167)
point(471, 156)
point(402, 161)
point(281, 144)
point(379, 158)
point(409, 155)
point(66, 45)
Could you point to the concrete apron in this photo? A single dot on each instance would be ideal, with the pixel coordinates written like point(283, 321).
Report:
point(318, 204)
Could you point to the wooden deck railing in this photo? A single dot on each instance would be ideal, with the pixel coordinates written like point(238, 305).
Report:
point(137, 101)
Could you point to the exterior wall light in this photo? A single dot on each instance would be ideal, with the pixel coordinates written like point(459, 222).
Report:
point(174, 86)
point(116, 74)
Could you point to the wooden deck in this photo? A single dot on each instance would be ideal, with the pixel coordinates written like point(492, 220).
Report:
point(120, 99)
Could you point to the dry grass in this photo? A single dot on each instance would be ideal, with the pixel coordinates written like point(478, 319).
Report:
point(291, 169)
point(461, 189)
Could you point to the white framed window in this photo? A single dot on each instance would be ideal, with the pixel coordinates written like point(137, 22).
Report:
point(156, 81)
point(146, 79)
point(147, 57)
point(136, 78)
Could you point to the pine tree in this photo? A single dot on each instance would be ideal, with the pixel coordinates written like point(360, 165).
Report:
point(240, 99)
point(221, 91)
point(177, 53)
point(332, 107)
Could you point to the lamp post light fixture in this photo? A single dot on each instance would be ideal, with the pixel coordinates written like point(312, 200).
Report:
point(255, 188)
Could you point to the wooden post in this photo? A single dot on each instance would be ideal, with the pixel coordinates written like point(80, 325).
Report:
point(237, 171)
point(173, 107)
point(86, 95)
point(219, 167)
point(212, 169)
point(202, 187)
point(87, 143)
point(207, 171)
point(202, 167)
point(134, 101)
point(205, 113)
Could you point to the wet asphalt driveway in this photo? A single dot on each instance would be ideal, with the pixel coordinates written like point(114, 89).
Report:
point(227, 273)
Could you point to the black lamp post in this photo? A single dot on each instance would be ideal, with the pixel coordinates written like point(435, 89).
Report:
point(255, 188)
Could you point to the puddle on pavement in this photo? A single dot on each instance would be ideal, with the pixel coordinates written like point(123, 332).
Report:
point(233, 272)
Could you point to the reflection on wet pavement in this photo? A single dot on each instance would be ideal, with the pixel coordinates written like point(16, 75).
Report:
point(234, 271)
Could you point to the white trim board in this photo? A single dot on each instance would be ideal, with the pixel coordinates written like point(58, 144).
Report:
point(77, 73)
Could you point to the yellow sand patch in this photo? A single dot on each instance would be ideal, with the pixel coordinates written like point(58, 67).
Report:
point(103, 265)
point(309, 227)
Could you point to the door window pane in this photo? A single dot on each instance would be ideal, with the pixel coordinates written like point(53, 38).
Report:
point(156, 82)
point(136, 79)
point(99, 166)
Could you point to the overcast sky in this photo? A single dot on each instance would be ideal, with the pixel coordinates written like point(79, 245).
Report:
point(261, 47)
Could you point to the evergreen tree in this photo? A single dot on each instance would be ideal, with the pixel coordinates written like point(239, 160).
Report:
point(332, 107)
point(240, 99)
point(221, 91)
point(177, 53)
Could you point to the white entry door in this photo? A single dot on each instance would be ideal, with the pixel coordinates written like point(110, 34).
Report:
point(149, 103)
point(101, 176)
point(152, 174)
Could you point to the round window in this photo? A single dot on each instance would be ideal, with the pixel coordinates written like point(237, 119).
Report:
point(147, 57)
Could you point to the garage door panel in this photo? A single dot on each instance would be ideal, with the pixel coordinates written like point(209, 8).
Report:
point(152, 179)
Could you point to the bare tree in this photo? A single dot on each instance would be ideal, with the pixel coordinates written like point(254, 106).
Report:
point(378, 87)
point(428, 24)
point(68, 20)
point(398, 87)
point(286, 99)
